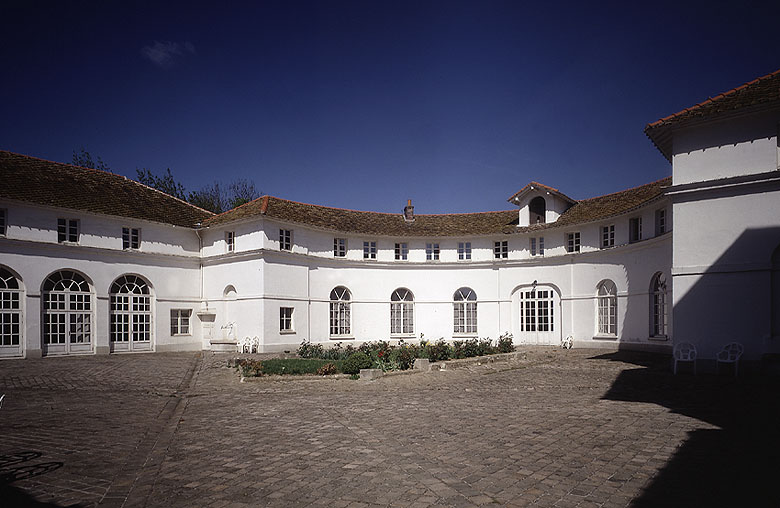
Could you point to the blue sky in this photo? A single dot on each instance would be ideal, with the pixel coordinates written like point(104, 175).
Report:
point(363, 105)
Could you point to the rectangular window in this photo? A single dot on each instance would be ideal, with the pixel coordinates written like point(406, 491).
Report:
point(635, 229)
point(432, 251)
point(131, 238)
point(3, 220)
point(369, 250)
point(464, 250)
point(573, 242)
point(541, 246)
point(402, 251)
point(501, 250)
point(285, 319)
point(660, 221)
point(285, 239)
point(340, 247)
point(537, 246)
point(608, 236)
point(230, 241)
point(180, 321)
point(67, 230)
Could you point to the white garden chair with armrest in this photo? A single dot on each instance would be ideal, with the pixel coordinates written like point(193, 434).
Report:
point(684, 352)
point(731, 353)
point(255, 344)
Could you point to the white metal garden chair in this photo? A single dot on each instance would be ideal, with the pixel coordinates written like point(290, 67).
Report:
point(731, 353)
point(255, 344)
point(684, 352)
point(245, 345)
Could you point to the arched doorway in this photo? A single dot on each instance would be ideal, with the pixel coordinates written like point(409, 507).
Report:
point(539, 319)
point(67, 314)
point(130, 315)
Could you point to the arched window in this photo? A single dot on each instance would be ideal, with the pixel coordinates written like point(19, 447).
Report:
point(402, 312)
point(130, 314)
point(538, 210)
point(340, 312)
point(607, 308)
point(10, 314)
point(658, 312)
point(465, 311)
point(67, 313)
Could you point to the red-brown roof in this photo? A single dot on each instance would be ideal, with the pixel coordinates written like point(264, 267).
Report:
point(43, 182)
point(458, 224)
point(761, 93)
point(549, 189)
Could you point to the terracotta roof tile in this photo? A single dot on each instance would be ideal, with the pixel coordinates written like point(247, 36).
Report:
point(458, 224)
point(49, 183)
point(542, 186)
point(762, 92)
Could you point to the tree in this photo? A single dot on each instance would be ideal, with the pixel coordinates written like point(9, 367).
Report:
point(211, 198)
point(242, 191)
point(84, 159)
point(165, 183)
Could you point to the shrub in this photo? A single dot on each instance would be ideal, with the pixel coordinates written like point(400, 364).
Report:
point(403, 356)
point(505, 344)
point(327, 370)
point(309, 350)
point(355, 362)
point(248, 368)
point(296, 366)
point(439, 351)
point(485, 347)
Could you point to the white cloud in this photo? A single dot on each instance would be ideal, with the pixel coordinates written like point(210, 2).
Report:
point(163, 54)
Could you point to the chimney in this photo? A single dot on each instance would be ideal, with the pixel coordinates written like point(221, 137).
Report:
point(409, 211)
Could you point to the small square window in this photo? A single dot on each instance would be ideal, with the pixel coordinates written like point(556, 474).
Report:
point(3, 221)
point(340, 247)
point(131, 238)
point(608, 236)
point(432, 251)
point(573, 242)
point(230, 241)
point(285, 319)
point(537, 246)
point(501, 250)
point(285, 239)
point(180, 321)
point(402, 251)
point(464, 250)
point(369, 250)
point(67, 230)
point(635, 229)
point(660, 221)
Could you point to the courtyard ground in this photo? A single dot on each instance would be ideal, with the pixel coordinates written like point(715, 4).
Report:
point(551, 428)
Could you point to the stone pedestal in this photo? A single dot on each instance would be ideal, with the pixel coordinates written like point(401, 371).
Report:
point(370, 374)
point(422, 364)
point(225, 346)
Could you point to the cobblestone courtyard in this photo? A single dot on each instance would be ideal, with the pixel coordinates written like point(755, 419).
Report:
point(552, 428)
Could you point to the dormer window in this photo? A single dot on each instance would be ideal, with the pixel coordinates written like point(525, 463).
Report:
point(538, 210)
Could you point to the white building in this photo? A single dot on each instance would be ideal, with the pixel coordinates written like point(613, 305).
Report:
point(92, 262)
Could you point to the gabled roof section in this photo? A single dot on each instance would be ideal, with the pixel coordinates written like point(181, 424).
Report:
point(436, 225)
point(761, 93)
point(539, 186)
point(43, 182)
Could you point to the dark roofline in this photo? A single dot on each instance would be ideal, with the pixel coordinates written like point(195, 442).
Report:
point(543, 186)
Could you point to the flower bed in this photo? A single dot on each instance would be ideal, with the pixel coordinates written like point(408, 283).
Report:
point(286, 366)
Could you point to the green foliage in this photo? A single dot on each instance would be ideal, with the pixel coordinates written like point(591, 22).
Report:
point(284, 366)
point(355, 362)
point(309, 350)
point(485, 347)
point(84, 159)
point(165, 183)
point(505, 344)
point(403, 356)
point(248, 368)
point(439, 351)
point(328, 369)
point(215, 198)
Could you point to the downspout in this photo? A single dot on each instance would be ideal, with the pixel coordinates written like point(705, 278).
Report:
point(200, 263)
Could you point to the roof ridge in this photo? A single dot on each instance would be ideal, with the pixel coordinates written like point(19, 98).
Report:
point(384, 213)
point(625, 190)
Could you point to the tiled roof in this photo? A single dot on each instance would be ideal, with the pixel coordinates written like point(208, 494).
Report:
point(389, 224)
point(763, 92)
point(49, 183)
point(533, 185)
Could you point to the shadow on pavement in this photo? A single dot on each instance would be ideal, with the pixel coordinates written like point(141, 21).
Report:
point(14, 467)
point(736, 464)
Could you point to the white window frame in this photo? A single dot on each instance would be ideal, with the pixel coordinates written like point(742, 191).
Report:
point(402, 313)
point(131, 238)
point(464, 308)
point(659, 306)
point(536, 246)
point(634, 229)
point(608, 236)
point(339, 247)
point(286, 323)
point(606, 309)
point(464, 251)
point(660, 221)
point(285, 239)
point(401, 251)
point(230, 241)
point(432, 251)
point(573, 242)
point(369, 250)
point(130, 310)
point(11, 323)
point(3, 221)
point(340, 323)
point(501, 249)
point(67, 311)
point(181, 322)
point(68, 230)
